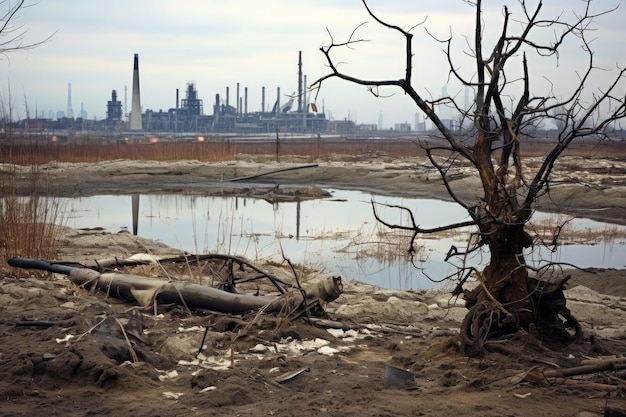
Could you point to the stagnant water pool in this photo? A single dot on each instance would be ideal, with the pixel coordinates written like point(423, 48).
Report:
point(338, 235)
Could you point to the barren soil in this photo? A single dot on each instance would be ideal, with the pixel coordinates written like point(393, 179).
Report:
point(104, 356)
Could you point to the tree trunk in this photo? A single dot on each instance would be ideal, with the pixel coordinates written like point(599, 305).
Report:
point(502, 303)
point(508, 300)
point(506, 276)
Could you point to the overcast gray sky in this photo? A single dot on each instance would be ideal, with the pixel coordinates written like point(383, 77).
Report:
point(219, 43)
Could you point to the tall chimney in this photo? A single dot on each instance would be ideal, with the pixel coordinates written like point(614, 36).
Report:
point(135, 112)
point(299, 81)
point(245, 101)
point(305, 107)
point(227, 96)
point(277, 101)
point(216, 110)
point(70, 111)
point(263, 99)
point(238, 100)
point(177, 98)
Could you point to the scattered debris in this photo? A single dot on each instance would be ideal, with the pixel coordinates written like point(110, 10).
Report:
point(34, 323)
point(398, 378)
point(148, 291)
point(291, 375)
point(169, 395)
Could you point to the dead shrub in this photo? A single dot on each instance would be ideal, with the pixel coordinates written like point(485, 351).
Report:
point(29, 223)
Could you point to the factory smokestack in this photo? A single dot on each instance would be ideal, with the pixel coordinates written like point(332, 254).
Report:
point(70, 111)
point(305, 106)
point(299, 81)
point(245, 101)
point(135, 112)
point(263, 99)
point(238, 101)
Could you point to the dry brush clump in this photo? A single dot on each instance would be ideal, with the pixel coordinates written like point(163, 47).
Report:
point(27, 152)
point(29, 223)
point(41, 151)
point(558, 229)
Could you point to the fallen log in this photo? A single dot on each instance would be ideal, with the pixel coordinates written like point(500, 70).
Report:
point(143, 259)
point(147, 291)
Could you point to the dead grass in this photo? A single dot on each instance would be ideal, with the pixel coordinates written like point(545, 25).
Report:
point(40, 151)
point(559, 227)
point(384, 245)
point(589, 149)
point(37, 152)
point(29, 224)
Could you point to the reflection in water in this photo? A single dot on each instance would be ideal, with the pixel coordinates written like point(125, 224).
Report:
point(339, 235)
point(135, 209)
point(297, 220)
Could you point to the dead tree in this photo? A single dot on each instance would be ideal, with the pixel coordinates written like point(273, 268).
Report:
point(13, 38)
point(12, 34)
point(505, 108)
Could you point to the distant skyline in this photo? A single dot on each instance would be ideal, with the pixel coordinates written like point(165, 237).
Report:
point(219, 44)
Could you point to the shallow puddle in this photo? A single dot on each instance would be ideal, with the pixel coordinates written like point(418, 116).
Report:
point(338, 235)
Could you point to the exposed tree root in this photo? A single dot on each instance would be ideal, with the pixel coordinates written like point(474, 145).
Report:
point(554, 325)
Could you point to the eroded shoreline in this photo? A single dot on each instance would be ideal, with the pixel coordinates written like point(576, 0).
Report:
point(582, 187)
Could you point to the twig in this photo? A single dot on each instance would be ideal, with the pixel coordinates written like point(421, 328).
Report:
point(594, 385)
point(249, 177)
point(274, 280)
point(585, 369)
point(91, 329)
point(133, 354)
point(206, 330)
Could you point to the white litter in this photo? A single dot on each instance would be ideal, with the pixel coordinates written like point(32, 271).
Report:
point(169, 395)
point(168, 375)
point(190, 329)
point(327, 350)
point(65, 339)
point(259, 348)
point(336, 332)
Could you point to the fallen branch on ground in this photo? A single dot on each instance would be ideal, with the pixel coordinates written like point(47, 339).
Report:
point(276, 171)
point(147, 291)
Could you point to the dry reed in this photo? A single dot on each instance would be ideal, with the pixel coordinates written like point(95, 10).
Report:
point(39, 150)
point(29, 224)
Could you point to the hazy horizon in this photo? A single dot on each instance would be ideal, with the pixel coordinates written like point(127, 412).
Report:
point(217, 45)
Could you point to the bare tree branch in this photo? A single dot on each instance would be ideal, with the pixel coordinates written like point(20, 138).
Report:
point(507, 105)
point(12, 36)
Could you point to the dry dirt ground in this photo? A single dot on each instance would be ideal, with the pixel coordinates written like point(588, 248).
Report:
point(105, 356)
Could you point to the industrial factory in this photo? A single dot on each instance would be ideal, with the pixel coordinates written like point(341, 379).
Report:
point(292, 116)
point(286, 113)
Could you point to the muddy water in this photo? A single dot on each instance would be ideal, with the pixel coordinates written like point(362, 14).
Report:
point(338, 235)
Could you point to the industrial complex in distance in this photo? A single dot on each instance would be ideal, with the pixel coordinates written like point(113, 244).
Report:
point(293, 115)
